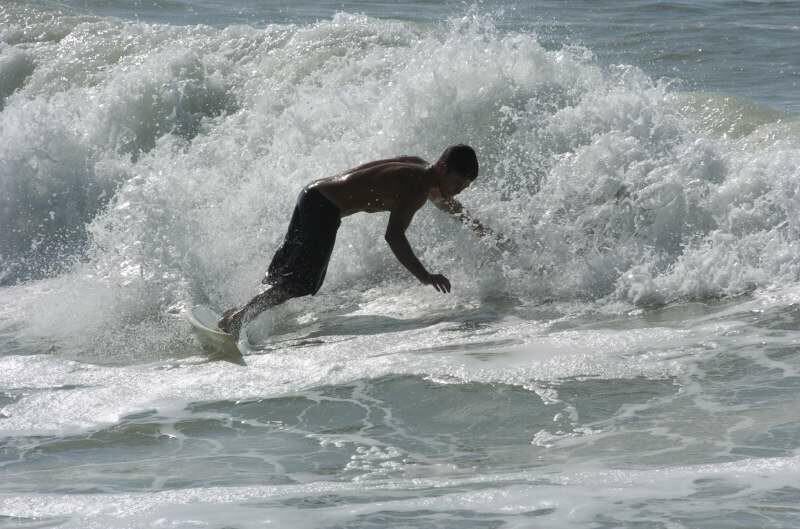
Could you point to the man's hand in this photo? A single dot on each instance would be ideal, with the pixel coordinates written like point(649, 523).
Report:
point(439, 282)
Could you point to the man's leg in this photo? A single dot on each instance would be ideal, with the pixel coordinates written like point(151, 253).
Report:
point(233, 320)
point(301, 260)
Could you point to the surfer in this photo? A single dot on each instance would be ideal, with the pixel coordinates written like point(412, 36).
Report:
point(399, 185)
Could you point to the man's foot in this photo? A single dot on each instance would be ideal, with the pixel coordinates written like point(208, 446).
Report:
point(235, 326)
point(224, 324)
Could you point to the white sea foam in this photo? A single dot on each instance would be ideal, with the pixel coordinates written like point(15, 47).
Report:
point(60, 396)
point(583, 496)
point(198, 140)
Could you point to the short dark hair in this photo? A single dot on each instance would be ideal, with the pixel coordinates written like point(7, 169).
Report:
point(462, 159)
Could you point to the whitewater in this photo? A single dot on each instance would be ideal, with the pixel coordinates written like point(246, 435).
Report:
point(631, 360)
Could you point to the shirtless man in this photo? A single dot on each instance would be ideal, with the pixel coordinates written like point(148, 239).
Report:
point(399, 185)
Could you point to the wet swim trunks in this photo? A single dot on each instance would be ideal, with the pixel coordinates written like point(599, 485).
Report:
point(302, 260)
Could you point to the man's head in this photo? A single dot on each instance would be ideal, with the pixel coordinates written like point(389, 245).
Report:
point(457, 167)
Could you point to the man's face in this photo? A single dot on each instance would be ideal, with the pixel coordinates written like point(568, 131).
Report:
point(454, 183)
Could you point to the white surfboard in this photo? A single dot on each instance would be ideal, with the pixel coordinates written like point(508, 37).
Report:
point(219, 345)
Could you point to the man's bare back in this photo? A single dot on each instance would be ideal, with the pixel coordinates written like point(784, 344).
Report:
point(400, 186)
point(377, 186)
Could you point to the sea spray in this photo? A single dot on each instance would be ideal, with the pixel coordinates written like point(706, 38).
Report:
point(181, 151)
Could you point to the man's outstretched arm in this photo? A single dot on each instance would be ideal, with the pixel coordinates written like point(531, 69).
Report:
point(455, 208)
point(399, 220)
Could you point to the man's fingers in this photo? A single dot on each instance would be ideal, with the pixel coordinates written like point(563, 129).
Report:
point(445, 285)
point(440, 283)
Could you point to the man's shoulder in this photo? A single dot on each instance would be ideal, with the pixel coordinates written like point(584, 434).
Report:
point(399, 169)
point(412, 177)
point(412, 160)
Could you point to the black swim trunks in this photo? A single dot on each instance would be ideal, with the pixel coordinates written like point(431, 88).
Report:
point(302, 260)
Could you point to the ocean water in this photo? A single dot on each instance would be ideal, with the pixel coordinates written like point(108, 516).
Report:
point(632, 361)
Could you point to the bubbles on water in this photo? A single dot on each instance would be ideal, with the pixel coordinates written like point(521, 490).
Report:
point(15, 67)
